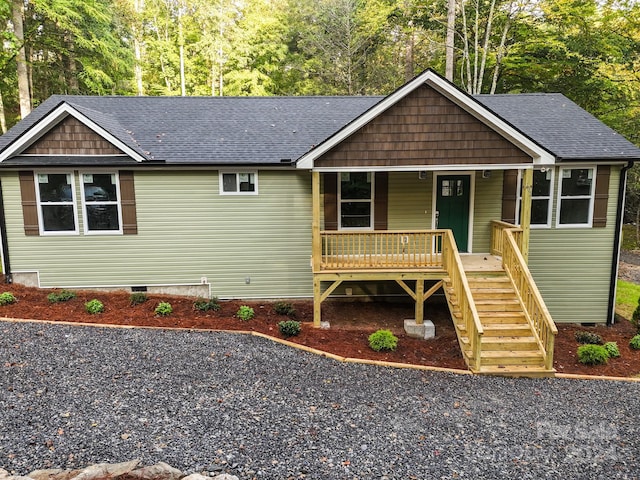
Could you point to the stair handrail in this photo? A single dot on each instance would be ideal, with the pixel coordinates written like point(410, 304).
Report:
point(470, 317)
point(533, 305)
point(497, 239)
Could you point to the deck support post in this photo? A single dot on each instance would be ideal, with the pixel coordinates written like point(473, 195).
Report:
point(419, 301)
point(525, 211)
point(317, 302)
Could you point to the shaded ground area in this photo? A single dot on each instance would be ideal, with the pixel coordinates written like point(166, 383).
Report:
point(351, 324)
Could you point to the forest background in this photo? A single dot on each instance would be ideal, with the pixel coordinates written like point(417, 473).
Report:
point(588, 50)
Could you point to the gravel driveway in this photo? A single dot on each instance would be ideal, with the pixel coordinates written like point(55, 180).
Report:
point(71, 396)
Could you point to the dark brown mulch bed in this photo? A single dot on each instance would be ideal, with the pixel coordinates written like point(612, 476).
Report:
point(351, 324)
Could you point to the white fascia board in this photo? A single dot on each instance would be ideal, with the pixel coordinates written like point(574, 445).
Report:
point(540, 155)
point(53, 118)
point(428, 168)
point(306, 161)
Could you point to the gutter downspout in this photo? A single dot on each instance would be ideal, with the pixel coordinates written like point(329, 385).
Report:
point(6, 267)
point(616, 243)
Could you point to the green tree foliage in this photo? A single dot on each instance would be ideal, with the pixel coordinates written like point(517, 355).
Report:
point(72, 46)
point(587, 49)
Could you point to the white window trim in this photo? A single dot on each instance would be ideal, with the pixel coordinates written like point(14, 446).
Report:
point(371, 200)
point(39, 203)
point(549, 197)
point(590, 197)
point(237, 172)
point(118, 202)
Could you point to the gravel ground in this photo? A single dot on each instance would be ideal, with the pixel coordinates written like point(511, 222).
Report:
point(71, 396)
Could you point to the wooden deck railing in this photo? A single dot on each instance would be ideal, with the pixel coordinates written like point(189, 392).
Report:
point(381, 249)
point(470, 317)
point(534, 307)
point(497, 238)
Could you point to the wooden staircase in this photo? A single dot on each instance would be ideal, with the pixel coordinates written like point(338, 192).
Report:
point(508, 345)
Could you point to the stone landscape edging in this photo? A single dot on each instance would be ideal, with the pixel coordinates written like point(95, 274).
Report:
point(131, 470)
point(315, 351)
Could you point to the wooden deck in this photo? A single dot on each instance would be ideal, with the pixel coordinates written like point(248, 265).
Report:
point(502, 324)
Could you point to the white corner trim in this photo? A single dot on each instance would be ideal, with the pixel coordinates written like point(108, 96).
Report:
point(540, 155)
point(53, 118)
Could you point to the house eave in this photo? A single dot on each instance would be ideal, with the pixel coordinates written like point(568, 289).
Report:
point(429, 168)
point(63, 110)
point(539, 155)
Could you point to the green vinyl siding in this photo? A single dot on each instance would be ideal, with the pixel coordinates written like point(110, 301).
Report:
point(572, 266)
point(487, 206)
point(186, 231)
point(410, 201)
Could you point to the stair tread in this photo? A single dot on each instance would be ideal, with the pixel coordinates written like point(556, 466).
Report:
point(516, 370)
point(505, 326)
point(499, 313)
point(489, 301)
point(509, 339)
point(492, 290)
point(507, 354)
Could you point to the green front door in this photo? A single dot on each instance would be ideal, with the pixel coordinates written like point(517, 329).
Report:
point(452, 207)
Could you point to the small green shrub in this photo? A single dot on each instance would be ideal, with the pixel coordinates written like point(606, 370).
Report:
point(94, 306)
point(612, 349)
point(61, 296)
point(163, 309)
point(245, 313)
point(588, 338)
point(284, 308)
point(635, 316)
point(383, 340)
point(138, 298)
point(593, 354)
point(204, 305)
point(6, 298)
point(289, 328)
point(635, 342)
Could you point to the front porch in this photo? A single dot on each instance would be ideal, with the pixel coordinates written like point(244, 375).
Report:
point(502, 324)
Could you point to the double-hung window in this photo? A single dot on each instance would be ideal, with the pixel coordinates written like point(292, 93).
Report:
point(541, 196)
point(101, 200)
point(238, 183)
point(356, 200)
point(55, 194)
point(575, 197)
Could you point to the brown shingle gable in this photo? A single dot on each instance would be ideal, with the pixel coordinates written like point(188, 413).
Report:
point(72, 137)
point(423, 128)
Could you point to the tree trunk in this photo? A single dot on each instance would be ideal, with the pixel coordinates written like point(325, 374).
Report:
point(137, 35)
point(183, 88)
point(475, 49)
point(3, 119)
point(638, 227)
point(450, 42)
point(485, 47)
point(500, 55)
point(21, 58)
point(73, 86)
point(409, 56)
point(465, 53)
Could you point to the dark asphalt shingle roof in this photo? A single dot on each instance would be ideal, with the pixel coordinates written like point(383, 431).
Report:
point(267, 130)
point(216, 130)
point(561, 126)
